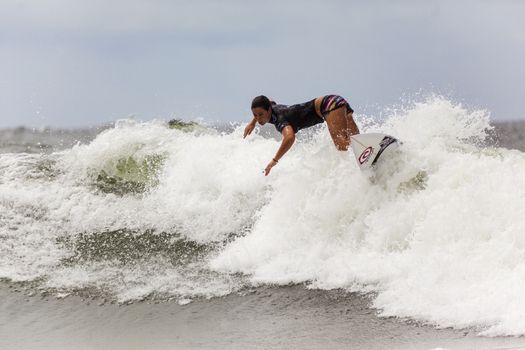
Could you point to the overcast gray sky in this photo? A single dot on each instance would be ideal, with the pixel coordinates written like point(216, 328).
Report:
point(69, 63)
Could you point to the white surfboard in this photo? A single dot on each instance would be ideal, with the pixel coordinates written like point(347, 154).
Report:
point(369, 148)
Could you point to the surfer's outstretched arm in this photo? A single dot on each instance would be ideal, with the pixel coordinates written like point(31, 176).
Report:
point(286, 144)
point(249, 128)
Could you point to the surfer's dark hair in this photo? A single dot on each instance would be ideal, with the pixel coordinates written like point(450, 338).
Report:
point(263, 102)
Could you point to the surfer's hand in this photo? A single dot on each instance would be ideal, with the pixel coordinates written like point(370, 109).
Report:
point(248, 129)
point(269, 167)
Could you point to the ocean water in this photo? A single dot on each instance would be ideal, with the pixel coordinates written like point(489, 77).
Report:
point(140, 211)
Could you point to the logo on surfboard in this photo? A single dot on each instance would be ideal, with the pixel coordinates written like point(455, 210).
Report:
point(365, 155)
point(387, 141)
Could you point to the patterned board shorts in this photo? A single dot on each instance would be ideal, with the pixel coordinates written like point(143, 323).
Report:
point(333, 102)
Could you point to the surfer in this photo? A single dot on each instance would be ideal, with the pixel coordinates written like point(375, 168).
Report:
point(288, 120)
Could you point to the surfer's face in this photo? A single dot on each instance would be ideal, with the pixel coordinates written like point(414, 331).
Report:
point(261, 115)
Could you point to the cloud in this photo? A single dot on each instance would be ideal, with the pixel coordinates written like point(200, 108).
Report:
point(85, 61)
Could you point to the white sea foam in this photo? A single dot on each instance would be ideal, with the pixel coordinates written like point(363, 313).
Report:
point(437, 234)
point(451, 253)
point(205, 193)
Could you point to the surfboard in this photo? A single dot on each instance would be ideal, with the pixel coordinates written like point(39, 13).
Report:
point(369, 148)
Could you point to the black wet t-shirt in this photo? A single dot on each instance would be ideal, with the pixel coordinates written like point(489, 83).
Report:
point(298, 116)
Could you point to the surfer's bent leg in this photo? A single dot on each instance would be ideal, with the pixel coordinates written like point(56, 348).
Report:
point(336, 121)
point(351, 126)
point(340, 120)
